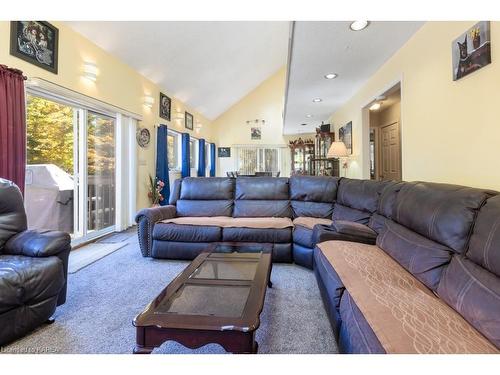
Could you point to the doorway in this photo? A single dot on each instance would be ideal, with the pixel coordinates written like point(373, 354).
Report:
point(385, 136)
point(70, 171)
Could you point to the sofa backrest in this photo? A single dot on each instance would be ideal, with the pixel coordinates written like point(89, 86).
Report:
point(262, 197)
point(313, 196)
point(428, 224)
point(357, 200)
point(210, 196)
point(441, 212)
point(471, 283)
point(12, 214)
point(386, 205)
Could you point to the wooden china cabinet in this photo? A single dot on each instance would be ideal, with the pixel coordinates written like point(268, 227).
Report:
point(309, 157)
point(321, 164)
point(302, 151)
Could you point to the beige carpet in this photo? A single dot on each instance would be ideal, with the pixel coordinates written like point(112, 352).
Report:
point(88, 254)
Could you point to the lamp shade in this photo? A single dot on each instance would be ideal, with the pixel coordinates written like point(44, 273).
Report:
point(337, 150)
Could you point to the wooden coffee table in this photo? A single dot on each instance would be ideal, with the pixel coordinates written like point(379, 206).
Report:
point(218, 298)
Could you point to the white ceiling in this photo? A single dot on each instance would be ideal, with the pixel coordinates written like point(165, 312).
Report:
point(331, 47)
point(207, 65)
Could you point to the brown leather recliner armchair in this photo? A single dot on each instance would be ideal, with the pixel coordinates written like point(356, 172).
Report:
point(33, 268)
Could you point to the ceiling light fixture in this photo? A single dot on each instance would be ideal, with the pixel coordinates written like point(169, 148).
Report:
point(317, 100)
point(309, 115)
point(331, 75)
point(304, 124)
point(375, 106)
point(359, 25)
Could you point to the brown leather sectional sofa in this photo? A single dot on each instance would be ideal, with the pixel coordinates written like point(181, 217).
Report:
point(410, 267)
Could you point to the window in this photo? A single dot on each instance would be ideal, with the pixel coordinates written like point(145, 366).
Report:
point(260, 159)
point(193, 153)
point(173, 151)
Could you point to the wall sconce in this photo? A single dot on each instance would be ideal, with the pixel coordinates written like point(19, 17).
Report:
point(178, 115)
point(149, 101)
point(90, 71)
point(256, 122)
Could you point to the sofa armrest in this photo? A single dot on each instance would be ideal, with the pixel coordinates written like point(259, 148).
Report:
point(32, 243)
point(344, 231)
point(146, 219)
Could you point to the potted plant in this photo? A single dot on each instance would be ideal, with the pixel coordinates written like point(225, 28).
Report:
point(154, 191)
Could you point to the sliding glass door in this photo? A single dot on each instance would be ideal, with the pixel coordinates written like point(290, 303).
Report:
point(100, 171)
point(70, 179)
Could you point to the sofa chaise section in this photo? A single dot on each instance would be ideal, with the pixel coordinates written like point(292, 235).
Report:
point(418, 276)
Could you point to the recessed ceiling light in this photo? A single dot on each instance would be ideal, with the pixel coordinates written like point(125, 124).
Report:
point(317, 100)
point(330, 76)
point(359, 25)
point(309, 116)
point(375, 106)
point(303, 124)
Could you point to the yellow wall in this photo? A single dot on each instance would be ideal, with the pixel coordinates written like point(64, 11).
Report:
point(265, 102)
point(450, 129)
point(117, 84)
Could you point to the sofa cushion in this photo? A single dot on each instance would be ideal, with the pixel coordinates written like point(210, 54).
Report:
point(484, 247)
point(210, 196)
point(423, 258)
point(262, 197)
point(303, 236)
point(310, 222)
point(271, 235)
point(361, 195)
point(204, 208)
point(441, 212)
point(475, 293)
point(26, 280)
point(341, 212)
point(208, 188)
point(233, 222)
point(186, 233)
point(313, 195)
point(404, 314)
point(353, 229)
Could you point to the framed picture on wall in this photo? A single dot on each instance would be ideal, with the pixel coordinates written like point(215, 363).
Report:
point(35, 42)
point(471, 50)
point(224, 152)
point(345, 135)
point(165, 106)
point(255, 134)
point(188, 120)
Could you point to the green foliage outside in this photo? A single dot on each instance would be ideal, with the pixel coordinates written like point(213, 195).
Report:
point(50, 137)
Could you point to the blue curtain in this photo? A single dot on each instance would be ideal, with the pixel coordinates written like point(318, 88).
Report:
point(201, 158)
point(212, 159)
point(162, 163)
point(186, 165)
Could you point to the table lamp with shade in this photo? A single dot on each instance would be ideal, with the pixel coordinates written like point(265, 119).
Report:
point(338, 151)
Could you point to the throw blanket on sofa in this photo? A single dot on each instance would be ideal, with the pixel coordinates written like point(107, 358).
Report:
point(234, 222)
point(404, 314)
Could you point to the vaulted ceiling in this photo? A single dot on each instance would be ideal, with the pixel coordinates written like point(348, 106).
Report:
point(320, 48)
point(207, 65)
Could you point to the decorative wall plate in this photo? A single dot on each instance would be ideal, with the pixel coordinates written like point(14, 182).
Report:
point(143, 137)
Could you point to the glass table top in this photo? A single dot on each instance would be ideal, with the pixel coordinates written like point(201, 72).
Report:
point(216, 300)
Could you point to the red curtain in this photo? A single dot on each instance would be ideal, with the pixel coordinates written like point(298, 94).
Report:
point(12, 126)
